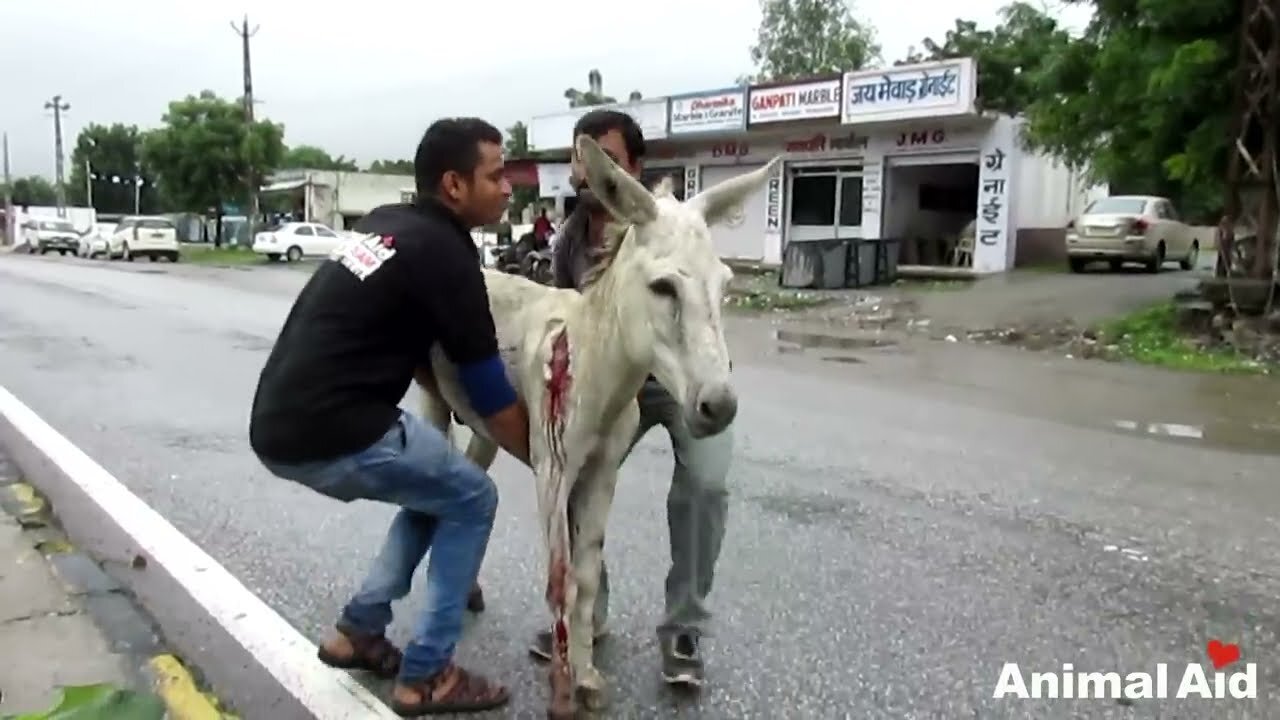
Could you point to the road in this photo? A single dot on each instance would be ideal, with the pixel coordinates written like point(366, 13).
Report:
point(905, 519)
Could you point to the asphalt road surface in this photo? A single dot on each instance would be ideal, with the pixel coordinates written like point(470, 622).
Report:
point(904, 520)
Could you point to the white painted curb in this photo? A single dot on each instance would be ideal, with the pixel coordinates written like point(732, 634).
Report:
point(201, 607)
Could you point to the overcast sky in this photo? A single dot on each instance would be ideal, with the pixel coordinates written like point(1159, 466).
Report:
point(364, 78)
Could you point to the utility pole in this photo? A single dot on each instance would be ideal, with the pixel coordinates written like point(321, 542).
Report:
point(251, 181)
point(58, 107)
point(10, 224)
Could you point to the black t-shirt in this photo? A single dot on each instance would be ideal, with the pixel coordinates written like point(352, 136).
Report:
point(361, 325)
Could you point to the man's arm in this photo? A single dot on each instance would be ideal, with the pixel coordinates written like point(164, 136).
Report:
point(449, 287)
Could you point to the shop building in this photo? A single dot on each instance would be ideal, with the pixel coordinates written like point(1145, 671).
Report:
point(896, 153)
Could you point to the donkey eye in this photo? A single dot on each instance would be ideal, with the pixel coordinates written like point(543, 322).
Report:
point(664, 288)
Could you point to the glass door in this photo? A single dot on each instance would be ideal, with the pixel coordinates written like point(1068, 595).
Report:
point(849, 205)
point(825, 203)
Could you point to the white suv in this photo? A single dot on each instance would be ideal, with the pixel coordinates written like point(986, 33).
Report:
point(150, 236)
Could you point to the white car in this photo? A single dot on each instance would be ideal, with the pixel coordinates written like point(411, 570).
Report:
point(95, 243)
point(150, 236)
point(1131, 228)
point(296, 240)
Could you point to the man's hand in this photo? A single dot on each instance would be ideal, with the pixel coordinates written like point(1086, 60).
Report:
point(509, 428)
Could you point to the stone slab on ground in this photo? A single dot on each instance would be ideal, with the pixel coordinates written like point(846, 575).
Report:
point(58, 640)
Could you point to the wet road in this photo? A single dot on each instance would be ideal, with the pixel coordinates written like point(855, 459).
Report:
point(905, 519)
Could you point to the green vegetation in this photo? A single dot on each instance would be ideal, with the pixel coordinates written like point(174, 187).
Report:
point(1151, 336)
point(207, 254)
point(99, 702)
point(761, 293)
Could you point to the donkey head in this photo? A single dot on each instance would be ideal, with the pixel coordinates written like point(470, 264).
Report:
point(669, 282)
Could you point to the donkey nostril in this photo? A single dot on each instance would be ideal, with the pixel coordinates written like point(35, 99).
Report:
point(705, 409)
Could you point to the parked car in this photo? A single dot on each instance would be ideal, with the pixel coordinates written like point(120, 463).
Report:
point(96, 241)
point(150, 236)
point(296, 240)
point(1131, 228)
point(46, 235)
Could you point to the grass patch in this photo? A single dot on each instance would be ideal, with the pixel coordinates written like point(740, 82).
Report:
point(761, 293)
point(1151, 336)
point(1054, 266)
point(207, 254)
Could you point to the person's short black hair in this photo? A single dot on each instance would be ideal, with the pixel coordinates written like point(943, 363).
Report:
point(450, 144)
point(598, 123)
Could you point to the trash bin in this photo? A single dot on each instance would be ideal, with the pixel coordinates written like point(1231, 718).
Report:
point(814, 264)
point(887, 260)
point(860, 263)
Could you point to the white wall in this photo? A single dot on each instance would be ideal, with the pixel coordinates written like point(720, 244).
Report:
point(1050, 193)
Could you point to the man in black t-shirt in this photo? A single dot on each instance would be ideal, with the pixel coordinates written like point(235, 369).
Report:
point(326, 412)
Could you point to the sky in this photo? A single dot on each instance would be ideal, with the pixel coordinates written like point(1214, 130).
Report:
point(363, 78)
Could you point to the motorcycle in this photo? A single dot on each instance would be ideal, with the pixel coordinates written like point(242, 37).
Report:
point(523, 258)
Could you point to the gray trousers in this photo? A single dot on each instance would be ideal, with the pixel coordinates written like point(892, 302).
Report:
point(696, 508)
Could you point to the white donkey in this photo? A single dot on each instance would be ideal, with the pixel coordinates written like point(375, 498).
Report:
point(651, 305)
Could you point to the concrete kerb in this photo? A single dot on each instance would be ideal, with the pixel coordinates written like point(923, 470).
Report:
point(251, 657)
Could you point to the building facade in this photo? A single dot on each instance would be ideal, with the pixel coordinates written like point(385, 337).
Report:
point(333, 197)
point(899, 153)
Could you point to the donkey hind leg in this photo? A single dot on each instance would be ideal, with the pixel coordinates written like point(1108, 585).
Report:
point(481, 451)
point(591, 499)
point(554, 484)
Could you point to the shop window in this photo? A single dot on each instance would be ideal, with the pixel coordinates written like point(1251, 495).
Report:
point(813, 200)
point(850, 202)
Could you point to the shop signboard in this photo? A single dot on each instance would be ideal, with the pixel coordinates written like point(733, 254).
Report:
point(796, 101)
point(712, 111)
point(936, 89)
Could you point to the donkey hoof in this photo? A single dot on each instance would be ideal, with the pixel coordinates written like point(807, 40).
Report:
point(561, 711)
point(592, 699)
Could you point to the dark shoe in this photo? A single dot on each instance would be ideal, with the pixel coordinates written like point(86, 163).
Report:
point(541, 647)
point(475, 599)
point(452, 690)
point(681, 661)
point(349, 650)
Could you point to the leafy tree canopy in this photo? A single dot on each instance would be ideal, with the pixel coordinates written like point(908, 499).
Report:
point(1145, 98)
point(310, 157)
point(392, 167)
point(205, 150)
point(800, 38)
point(33, 190)
point(1011, 57)
point(113, 154)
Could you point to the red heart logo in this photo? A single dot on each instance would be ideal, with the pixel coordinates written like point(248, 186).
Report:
point(1222, 654)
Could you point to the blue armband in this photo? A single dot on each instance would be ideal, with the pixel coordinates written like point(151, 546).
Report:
point(487, 386)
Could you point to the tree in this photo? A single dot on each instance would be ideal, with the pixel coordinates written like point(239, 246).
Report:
point(594, 94)
point(1145, 99)
point(1010, 57)
point(392, 167)
point(802, 38)
point(113, 154)
point(205, 152)
point(310, 157)
point(32, 190)
point(515, 147)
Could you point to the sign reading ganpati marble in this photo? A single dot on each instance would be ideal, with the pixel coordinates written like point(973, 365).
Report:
point(936, 89)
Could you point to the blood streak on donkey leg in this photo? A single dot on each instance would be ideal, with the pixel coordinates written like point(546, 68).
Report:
point(559, 380)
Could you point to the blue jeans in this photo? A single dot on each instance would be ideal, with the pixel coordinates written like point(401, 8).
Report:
point(447, 505)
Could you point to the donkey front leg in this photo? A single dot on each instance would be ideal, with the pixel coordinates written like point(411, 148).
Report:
point(590, 502)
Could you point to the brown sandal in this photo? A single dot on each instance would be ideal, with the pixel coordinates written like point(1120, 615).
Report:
point(452, 690)
point(372, 653)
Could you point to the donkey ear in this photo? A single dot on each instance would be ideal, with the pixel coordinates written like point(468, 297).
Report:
point(724, 200)
point(622, 195)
